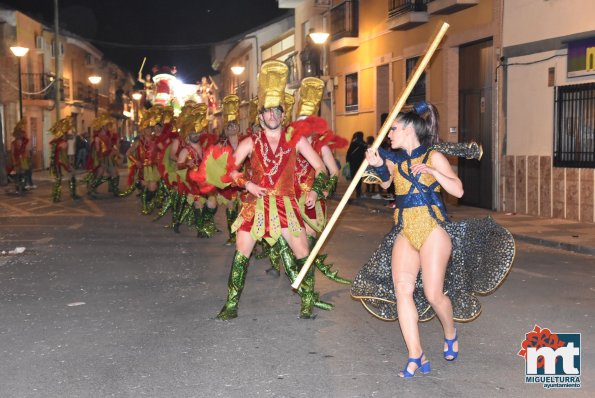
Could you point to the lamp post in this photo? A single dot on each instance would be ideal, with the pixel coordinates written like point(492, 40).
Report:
point(237, 70)
point(95, 80)
point(136, 96)
point(320, 39)
point(20, 52)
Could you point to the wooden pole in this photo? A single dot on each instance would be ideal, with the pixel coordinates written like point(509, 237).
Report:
point(140, 71)
point(421, 66)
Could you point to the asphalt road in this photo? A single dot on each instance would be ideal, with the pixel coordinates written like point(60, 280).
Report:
point(106, 303)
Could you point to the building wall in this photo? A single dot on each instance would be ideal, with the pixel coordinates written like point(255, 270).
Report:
point(530, 183)
point(379, 46)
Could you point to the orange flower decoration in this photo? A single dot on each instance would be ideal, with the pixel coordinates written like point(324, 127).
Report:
point(540, 338)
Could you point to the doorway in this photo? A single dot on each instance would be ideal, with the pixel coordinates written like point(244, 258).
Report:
point(475, 121)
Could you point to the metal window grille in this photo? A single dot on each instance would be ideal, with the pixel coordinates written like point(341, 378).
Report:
point(351, 93)
point(574, 129)
point(399, 7)
point(418, 93)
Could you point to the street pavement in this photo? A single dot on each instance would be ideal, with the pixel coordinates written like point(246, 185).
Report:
point(106, 303)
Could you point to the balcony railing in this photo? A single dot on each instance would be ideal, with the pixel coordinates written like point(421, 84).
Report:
point(33, 85)
point(400, 7)
point(84, 92)
point(242, 91)
point(344, 20)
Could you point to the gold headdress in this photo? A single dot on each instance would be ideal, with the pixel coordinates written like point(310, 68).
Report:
point(102, 120)
point(156, 115)
point(289, 101)
point(311, 90)
point(253, 111)
point(168, 115)
point(185, 120)
point(271, 84)
point(201, 121)
point(231, 109)
point(61, 127)
point(19, 129)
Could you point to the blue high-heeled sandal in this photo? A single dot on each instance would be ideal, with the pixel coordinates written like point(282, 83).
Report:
point(450, 352)
point(423, 368)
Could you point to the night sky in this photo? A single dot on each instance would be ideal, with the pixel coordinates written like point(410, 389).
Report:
point(135, 26)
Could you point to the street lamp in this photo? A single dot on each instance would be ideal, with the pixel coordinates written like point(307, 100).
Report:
point(95, 80)
point(319, 37)
point(20, 52)
point(136, 96)
point(237, 70)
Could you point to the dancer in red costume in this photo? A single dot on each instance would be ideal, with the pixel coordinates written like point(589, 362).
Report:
point(229, 196)
point(19, 156)
point(269, 208)
point(59, 162)
point(193, 193)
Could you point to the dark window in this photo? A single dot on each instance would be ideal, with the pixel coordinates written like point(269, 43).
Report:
point(419, 91)
point(574, 130)
point(344, 20)
point(351, 101)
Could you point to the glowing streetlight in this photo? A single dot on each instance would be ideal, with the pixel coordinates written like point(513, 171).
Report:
point(237, 70)
point(20, 52)
point(95, 80)
point(319, 37)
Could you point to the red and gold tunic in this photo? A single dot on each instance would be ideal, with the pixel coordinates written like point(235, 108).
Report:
point(59, 157)
point(166, 166)
point(230, 193)
point(100, 149)
point(20, 157)
point(149, 159)
point(265, 217)
point(135, 154)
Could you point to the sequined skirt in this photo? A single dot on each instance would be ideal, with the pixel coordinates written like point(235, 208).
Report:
point(482, 255)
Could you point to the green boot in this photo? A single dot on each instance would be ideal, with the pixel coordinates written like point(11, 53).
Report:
point(57, 190)
point(115, 186)
point(326, 268)
point(170, 198)
point(199, 223)
point(72, 188)
point(149, 203)
point(143, 201)
point(183, 214)
point(209, 220)
point(97, 181)
point(274, 257)
point(235, 285)
point(231, 217)
point(306, 290)
point(20, 183)
point(128, 191)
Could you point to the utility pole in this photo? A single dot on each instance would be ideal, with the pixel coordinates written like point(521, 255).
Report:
point(57, 83)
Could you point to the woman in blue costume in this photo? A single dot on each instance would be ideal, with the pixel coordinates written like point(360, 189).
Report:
point(423, 239)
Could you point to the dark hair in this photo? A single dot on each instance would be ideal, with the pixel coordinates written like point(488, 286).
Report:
point(358, 136)
point(424, 119)
point(369, 140)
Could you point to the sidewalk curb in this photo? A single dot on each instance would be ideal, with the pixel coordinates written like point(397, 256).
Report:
point(555, 245)
point(519, 237)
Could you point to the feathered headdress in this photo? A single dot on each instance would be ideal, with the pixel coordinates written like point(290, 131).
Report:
point(61, 127)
